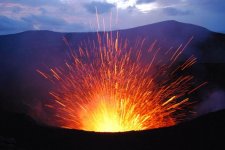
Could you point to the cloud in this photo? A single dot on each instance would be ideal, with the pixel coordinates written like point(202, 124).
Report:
point(32, 2)
point(8, 25)
point(175, 12)
point(144, 1)
point(71, 15)
point(22, 16)
point(102, 7)
point(45, 20)
point(54, 23)
point(16, 11)
point(209, 5)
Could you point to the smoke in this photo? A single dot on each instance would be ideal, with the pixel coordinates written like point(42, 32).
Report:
point(213, 101)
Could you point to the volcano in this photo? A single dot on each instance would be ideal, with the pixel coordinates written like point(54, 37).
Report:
point(21, 88)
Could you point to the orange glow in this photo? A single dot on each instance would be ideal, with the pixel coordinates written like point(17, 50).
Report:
point(109, 86)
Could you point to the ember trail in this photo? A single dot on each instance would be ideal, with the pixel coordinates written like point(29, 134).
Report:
point(110, 86)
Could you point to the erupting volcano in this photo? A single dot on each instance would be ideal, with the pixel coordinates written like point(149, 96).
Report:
point(109, 86)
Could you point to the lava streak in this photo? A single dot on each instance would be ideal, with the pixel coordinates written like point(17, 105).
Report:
point(108, 85)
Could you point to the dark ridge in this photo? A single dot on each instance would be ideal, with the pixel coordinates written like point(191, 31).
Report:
point(21, 132)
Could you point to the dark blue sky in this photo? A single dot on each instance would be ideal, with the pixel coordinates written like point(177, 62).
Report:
point(79, 15)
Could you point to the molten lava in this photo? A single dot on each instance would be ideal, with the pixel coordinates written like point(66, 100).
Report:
point(110, 86)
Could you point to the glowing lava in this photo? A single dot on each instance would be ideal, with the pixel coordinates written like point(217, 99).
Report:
point(110, 86)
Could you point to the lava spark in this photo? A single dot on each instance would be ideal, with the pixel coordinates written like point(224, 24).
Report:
point(113, 85)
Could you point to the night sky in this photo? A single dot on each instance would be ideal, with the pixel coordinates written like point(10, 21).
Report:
point(79, 15)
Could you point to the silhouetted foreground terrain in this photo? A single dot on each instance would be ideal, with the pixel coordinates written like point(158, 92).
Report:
point(19, 131)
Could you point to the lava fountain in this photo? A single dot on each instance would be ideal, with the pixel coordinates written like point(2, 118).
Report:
point(107, 85)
